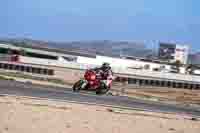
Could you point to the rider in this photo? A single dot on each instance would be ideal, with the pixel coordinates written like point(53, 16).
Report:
point(105, 73)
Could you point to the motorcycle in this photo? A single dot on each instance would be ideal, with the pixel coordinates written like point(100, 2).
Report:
point(92, 81)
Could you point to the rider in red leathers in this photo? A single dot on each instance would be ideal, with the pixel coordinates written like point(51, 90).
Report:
point(101, 82)
point(105, 73)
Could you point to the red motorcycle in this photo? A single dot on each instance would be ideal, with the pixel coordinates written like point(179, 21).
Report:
point(91, 81)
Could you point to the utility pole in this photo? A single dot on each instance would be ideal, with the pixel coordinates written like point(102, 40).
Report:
point(121, 53)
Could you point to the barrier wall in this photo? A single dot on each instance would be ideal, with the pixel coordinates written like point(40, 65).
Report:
point(122, 71)
point(117, 62)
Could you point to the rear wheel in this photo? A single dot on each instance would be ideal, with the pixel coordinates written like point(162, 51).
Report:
point(77, 86)
point(103, 89)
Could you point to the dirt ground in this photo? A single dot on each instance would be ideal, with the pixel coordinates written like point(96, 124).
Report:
point(172, 94)
point(25, 115)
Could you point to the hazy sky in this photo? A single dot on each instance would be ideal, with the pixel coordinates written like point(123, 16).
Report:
point(136, 20)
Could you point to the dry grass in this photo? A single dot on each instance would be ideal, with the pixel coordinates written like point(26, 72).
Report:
point(179, 95)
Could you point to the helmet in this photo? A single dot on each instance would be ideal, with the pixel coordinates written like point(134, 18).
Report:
point(105, 66)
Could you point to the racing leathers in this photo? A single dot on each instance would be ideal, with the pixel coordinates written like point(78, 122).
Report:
point(106, 76)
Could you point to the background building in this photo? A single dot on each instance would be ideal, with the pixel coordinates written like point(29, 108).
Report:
point(173, 53)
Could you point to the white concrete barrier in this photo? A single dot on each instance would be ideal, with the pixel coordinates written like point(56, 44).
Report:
point(118, 70)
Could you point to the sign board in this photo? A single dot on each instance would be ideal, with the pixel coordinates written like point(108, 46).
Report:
point(166, 51)
point(173, 52)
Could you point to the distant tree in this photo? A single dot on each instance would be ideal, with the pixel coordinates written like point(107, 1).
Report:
point(177, 65)
point(22, 52)
point(189, 68)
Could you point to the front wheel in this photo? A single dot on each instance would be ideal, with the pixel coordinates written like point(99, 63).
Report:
point(77, 86)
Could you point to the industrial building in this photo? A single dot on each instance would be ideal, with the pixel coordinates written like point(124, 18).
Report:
point(174, 53)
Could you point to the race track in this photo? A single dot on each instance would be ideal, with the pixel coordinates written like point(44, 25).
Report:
point(65, 94)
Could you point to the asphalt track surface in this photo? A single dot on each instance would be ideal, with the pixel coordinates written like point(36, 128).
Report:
point(65, 94)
